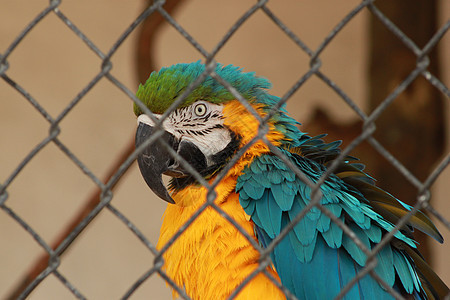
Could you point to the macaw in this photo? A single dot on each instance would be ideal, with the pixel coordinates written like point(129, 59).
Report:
point(262, 194)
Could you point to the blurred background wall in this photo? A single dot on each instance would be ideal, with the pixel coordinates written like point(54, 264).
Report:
point(53, 65)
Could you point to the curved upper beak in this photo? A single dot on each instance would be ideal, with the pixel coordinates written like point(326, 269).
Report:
point(155, 160)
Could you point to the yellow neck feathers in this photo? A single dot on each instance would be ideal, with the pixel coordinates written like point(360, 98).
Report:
point(211, 257)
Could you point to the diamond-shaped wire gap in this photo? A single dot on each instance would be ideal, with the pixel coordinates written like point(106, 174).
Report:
point(293, 17)
point(343, 23)
point(19, 245)
point(395, 163)
point(79, 33)
point(427, 185)
point(331, 58)
point(398, 37)
point(149, 10)
point(95, 22)
point(235, 27)
point(53, 261)
point(62, 77)
point(133, 229)
point(49, 189)
point(194, 19)
point(34, 151)
point(251, 38)
point(388, 23)
point(257, 137)
point(26, 30)
point(97, 273)
point(96, 129)
point(286, 30)
point(420, 68)
point(324, 44)
point(81, 94)
point(313, 86)
point(396, 92)
point(183, 32)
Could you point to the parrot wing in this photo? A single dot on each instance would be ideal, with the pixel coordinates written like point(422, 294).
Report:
point(316, 259)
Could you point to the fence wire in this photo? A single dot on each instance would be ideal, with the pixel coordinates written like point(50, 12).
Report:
point(423, 196)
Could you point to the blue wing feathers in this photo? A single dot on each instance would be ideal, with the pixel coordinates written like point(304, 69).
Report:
point(283, 200)
point(374, 234)
point(316, 253)
point(385, 265)
point(403, 270)
point(305, 229)
point(333, 237)
point(355, 252)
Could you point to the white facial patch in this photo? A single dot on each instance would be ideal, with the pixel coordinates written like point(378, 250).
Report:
point(146, 119)
point(167, 125)
point(201, 123)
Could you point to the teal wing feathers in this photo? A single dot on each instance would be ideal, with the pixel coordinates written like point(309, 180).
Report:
point(316, 259)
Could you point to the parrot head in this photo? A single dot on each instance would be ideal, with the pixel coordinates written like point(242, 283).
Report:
point(206, 129)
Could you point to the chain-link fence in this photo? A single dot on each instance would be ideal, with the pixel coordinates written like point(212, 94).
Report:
point(53, 261)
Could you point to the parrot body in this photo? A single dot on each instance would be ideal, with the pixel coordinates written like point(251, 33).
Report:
point(315, 260)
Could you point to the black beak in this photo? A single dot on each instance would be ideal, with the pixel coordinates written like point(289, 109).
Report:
point(155, 160)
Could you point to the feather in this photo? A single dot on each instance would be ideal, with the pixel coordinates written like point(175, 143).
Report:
point(253, 191)
point(418, 220)
point(304, 252)
point(283, 200)
point(355, 252)
point(305, 229)
point(374, 233)
point(403, 270)
point(270, 217)
point(333, 236)
point(385, 265)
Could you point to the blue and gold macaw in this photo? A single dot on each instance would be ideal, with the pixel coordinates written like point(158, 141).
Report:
point(262, 194)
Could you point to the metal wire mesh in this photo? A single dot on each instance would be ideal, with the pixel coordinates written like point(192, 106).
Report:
point(106, 196)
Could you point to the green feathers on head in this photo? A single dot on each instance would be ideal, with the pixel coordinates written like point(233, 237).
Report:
point(163, 87)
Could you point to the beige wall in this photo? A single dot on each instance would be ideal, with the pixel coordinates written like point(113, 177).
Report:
point(53, 65)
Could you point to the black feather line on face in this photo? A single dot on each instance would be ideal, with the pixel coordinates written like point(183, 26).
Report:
point(219, 159)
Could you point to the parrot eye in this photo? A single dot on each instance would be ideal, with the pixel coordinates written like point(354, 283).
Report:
point(200, 109)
